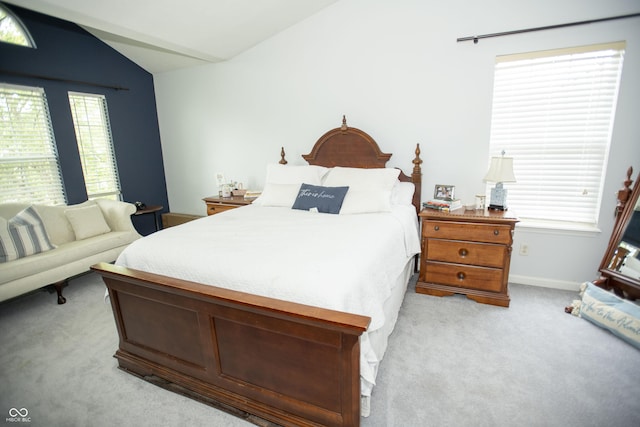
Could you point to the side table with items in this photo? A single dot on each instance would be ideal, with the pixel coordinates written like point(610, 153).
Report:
point(142, 209)
point(466, 252)
point(217, 204)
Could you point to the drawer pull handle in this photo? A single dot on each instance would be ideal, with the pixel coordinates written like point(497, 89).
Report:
point(461, 275)
point(463, 252)
point(496, 232)
point(437, 227)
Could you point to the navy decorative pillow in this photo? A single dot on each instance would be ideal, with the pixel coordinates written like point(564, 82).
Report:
point(324, 199)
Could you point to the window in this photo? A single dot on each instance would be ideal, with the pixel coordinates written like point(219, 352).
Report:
point(553, 112)
point(12, 30)
point(93, 134)
point(29, 167)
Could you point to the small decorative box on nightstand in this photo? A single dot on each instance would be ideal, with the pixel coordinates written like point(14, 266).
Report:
point(217, 204)
point(466, 252)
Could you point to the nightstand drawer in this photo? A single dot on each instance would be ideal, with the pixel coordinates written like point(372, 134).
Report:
point(490, 233)
point(464, 276)
point(462, 252)
point(216, 204)
point(215, 209)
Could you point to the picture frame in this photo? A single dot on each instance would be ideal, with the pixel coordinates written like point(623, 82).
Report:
point(444, 192)
point(220, 179)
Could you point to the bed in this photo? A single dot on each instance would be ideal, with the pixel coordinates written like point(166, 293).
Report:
point(259, 309)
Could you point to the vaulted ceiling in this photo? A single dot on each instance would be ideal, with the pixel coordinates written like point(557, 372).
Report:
point(163, 35)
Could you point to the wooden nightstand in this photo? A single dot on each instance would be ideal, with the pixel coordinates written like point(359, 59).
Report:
point(466, 252)
point(217, 204)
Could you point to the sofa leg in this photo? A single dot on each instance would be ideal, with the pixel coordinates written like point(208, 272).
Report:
point(58, 286)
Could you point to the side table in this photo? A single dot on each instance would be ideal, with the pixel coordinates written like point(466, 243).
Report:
point(151, 209)
point(466, 252)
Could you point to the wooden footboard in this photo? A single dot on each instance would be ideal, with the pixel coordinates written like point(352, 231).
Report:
point(288, 363)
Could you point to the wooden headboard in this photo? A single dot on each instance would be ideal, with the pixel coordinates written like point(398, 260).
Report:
point(350, 147)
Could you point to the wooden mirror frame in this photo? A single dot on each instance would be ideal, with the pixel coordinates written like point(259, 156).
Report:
point(610, 279)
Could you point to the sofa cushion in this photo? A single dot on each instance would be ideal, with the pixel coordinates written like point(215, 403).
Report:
point(64, 254)
point(117, 214)
point(87, 221)
point(56, 222)
point(27, 235)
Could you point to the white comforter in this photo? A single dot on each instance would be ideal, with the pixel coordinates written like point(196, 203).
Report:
point(342, 262)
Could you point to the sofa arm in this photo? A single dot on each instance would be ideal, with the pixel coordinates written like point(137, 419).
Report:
point(117, 214)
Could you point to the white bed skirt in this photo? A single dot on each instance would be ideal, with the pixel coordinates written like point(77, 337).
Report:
point(379, 339)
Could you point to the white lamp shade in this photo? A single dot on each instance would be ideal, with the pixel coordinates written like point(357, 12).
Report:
point(500, 170)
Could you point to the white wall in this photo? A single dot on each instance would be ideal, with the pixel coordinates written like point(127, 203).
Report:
point(395, 69)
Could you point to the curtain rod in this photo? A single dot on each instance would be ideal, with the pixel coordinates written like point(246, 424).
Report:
point(548, 27)
point(58, 79)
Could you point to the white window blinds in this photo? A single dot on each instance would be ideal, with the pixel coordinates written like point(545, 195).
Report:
point(29, 168)
point(553, 113)
point(95, 144)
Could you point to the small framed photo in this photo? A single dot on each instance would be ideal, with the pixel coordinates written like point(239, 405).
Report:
point(444, 192)
point(220, 179)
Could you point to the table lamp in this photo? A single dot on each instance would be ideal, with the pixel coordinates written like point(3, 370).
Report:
point(500, 171)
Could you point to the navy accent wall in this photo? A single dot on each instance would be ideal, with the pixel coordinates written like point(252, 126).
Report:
point(66, 51)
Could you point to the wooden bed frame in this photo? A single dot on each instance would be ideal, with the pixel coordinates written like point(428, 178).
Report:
point(284, 362)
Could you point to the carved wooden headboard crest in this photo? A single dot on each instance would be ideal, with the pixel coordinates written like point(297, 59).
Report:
point(350, 147)
point(347, 147)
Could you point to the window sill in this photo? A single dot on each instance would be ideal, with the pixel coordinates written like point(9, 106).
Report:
point(558, 227)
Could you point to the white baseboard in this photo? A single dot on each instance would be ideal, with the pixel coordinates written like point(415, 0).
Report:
point(545, 283)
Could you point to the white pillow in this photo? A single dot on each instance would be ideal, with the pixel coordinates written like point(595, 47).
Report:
point(402, 193)
point(87, 221)
point(369, 189)
point(58, 226)
point(631, 267)
point(283, 182)
point(282, 195)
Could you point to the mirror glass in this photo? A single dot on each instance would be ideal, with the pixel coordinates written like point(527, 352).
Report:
point(626, 258)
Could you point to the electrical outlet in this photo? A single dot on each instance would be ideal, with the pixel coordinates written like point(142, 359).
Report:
point(524, 249)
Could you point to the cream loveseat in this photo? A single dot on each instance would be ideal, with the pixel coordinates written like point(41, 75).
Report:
point(46, 245)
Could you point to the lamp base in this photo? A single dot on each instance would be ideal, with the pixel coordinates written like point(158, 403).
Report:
point(498, 200)
point(497, 208)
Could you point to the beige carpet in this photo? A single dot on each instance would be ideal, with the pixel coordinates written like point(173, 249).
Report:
point(450, 362)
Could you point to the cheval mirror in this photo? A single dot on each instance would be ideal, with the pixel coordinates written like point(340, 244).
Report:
point(620, 267)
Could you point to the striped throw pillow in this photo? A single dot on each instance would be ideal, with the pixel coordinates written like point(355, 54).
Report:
point(7, 248)
point(28, 234)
